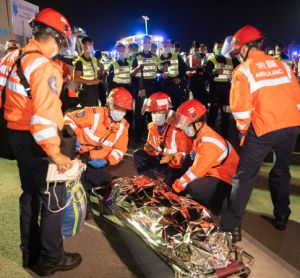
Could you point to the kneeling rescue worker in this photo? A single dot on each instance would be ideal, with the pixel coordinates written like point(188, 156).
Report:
point(32, 83)
point(102, 134)
point(166, 145)
point(212, 163)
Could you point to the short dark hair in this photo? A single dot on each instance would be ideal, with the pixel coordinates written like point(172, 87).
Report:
point(280, 45)
point(119, 45)
point(195, 44)
point(218, 42)
point(84, 40)
point(257, 43)
point(146, 37)
point(43, 32)
point(177, 45)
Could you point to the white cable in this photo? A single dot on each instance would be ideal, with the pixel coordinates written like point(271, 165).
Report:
point(82, 167)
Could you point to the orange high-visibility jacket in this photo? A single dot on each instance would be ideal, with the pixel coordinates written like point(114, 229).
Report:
point(264, 92)
point(42, 114)
point(176, 142)
point(211, 149)
point(94, 128)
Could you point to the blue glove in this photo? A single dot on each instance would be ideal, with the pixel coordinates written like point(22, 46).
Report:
point(77, 146)
point(192, 155)
point(97, 163)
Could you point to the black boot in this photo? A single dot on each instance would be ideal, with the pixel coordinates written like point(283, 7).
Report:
point(29, 259)
point(236, 234)
point(47, 266)
point(281, 222)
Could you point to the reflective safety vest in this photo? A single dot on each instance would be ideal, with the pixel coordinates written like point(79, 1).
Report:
point(175, 143)
point(215, 157)
point(98, 134)
point(121, 73)
point(89, 68)
point(227, 69)
point(173, 69)
point(288, 61)
point(150, 66)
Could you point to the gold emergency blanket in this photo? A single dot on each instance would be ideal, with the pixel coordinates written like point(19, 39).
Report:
point(179, 229)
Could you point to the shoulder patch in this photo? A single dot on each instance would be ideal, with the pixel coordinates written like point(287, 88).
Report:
point(80, 114)
point(52, 82)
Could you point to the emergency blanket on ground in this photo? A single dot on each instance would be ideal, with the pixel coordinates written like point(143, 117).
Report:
point(179, 229)
point(74, 214)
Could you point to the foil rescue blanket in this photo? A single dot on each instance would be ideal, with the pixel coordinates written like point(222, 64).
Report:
point(179, 229)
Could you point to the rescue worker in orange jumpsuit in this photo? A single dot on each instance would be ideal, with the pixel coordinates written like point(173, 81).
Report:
point(33, 112)
point(166, 145)
point(102, 134)
point(212, 163)
point(265, 102)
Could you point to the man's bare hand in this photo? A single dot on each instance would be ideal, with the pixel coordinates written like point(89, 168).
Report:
point(62, 162)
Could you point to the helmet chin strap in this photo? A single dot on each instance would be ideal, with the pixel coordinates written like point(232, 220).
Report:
point(247, 53)
point(197, 131)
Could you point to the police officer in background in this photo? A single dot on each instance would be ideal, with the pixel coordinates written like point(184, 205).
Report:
point(218, 70)
point(119, 70)
point(175, 74)
point(196, 73)
point(86, 74)
point(33, 117)
point(144, 70)
point(119, 75)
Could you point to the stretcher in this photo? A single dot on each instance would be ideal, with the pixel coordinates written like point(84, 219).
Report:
point(178, 229)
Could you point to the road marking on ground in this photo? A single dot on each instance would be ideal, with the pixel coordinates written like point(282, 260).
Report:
point(94, 227)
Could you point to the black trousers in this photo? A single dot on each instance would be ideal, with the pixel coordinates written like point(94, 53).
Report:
point(146, 164)
point(140, 121)
point(252, 155)
point(44, 238)
point(88, 95)
point(208, 191)
point(95, 177)
point(215, 106)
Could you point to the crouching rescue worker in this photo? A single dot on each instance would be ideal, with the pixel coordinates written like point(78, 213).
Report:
point(212, 162)
point(102, 134)
point(31, 83)
point(166, 145)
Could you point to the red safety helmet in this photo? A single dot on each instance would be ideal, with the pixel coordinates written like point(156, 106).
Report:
point(53, 19)
point(245, 35)
point(188, 112)
point(158, 101)
point(120, 97)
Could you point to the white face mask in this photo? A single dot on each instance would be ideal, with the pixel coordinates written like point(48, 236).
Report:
point(90, 49)
point(121, 55)
point(189, 131)
point(167, 50)
point(147, 46)
point(158, 119)
point(117, 115)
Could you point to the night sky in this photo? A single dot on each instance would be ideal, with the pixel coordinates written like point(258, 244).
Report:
point(183, 21)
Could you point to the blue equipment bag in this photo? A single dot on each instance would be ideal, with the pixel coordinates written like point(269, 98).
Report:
point(74, 214)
